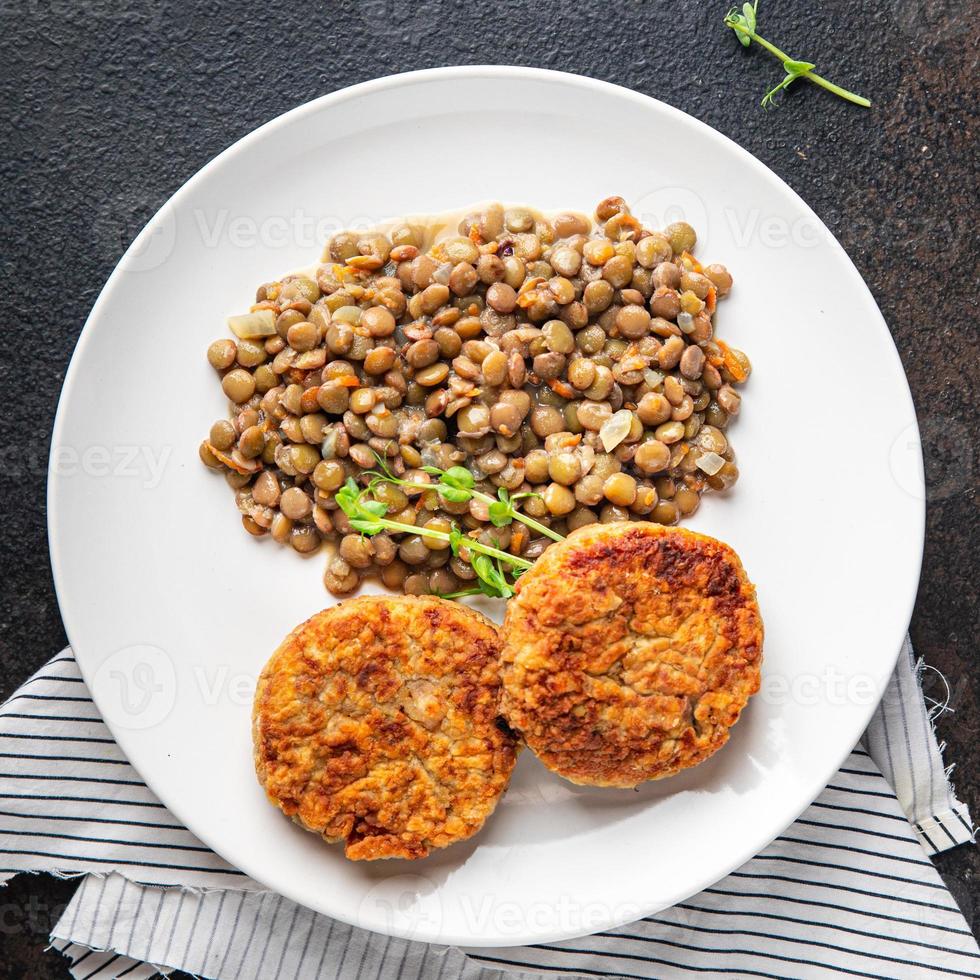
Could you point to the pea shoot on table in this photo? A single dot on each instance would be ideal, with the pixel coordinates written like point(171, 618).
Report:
point(744, 23)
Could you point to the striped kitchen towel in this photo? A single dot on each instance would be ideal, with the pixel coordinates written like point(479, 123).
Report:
point(847, 890)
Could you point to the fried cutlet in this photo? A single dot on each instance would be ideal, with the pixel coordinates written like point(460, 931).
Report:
point(377, 723)
point(629, 652)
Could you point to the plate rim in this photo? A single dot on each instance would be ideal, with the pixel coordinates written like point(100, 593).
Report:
point(369, 87)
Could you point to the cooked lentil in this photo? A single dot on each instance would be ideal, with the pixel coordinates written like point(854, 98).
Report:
point(570, 361)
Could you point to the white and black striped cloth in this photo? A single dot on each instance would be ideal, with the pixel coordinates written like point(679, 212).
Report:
point(847, 890)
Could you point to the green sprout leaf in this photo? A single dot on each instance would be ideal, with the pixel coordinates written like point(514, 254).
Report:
point(365, 516)
point(491, 577)
point(362, 526)
point(458, 476)
point(500, 513)
point(794, 69)
point(797, 67)
point(743, 23)
point(455, 540)
point(482, 566)
point(489, 590)
point(375, 507)
point(454, 494)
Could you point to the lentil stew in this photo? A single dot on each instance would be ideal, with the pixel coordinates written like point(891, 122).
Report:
point(568, 359)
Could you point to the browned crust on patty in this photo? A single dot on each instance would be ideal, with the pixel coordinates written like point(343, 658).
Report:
point(629, 652)
point(377, 723)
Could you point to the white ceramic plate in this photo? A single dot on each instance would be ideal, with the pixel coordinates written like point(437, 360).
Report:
point(172, 609)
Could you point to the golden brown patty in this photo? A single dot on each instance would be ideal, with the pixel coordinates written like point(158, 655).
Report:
point(629, 652)
point(377, 722)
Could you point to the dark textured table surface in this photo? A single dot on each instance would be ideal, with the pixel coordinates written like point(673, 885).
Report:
point(108, 106)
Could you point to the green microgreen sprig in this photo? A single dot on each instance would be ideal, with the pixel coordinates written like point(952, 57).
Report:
point(744, 23)
point(491, 565)
point(458, 486)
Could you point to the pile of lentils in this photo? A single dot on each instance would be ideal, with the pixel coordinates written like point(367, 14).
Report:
point(549, 355)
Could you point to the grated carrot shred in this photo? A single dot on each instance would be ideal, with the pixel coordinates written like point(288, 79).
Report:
point(517, 540)
point(560, 388)
point(692, 262)
point(228, 461)
point(307, 400)
point(730, 361)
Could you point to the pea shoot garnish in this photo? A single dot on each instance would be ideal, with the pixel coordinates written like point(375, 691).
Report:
point(491, 565)
point(457, 485)
point(743, 23)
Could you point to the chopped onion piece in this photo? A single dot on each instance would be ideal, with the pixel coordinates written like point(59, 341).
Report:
point(686, 322)
point(261, 323)
point(710, 463)
point(328, 448)
point(616, 429)
point(653, 378)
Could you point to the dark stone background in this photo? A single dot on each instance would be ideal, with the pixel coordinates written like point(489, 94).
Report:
point(108, 107)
